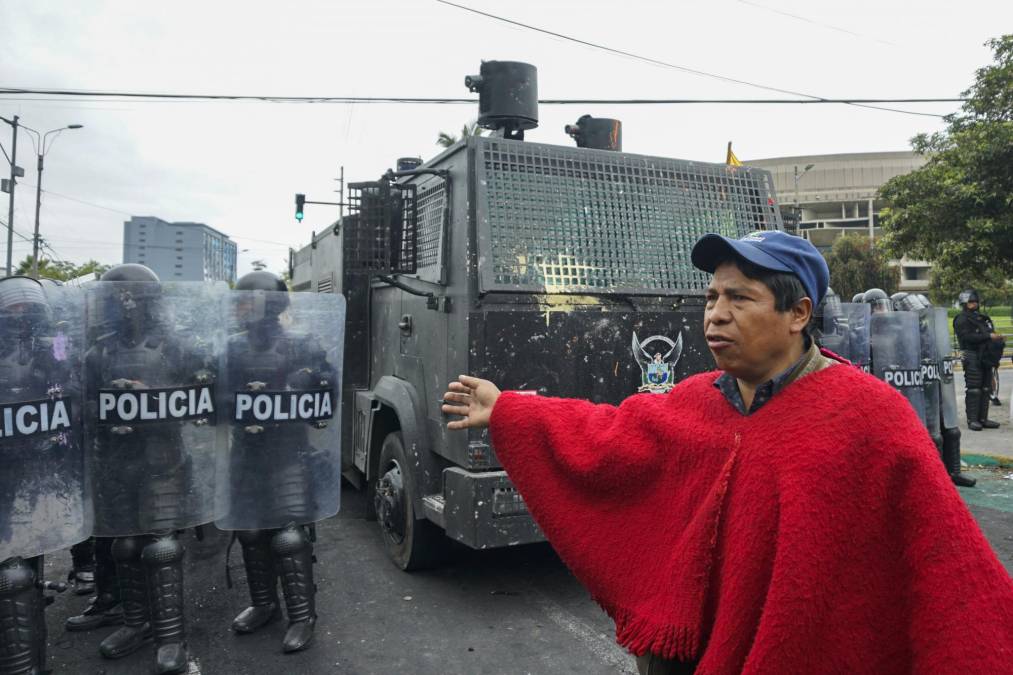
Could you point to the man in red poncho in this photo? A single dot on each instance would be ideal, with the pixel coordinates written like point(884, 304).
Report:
point(785, 514)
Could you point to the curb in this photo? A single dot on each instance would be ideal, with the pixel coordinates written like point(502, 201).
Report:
point(975, 459)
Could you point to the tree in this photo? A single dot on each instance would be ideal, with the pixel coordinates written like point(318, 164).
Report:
point(856, 266)
point(957, 209)
point(60, 270)
point(993, 286)
point(446, 140)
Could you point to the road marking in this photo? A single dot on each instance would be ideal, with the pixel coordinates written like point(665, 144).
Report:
point(602, 646)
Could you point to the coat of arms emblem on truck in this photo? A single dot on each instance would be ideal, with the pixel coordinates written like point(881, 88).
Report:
point(657, 374)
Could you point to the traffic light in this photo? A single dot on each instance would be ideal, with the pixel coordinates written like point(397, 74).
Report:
point(300, 200)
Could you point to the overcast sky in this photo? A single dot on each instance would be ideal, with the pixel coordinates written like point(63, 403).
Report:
point(236, 166)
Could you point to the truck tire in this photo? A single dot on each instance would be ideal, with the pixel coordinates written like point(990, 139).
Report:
point(411, 544)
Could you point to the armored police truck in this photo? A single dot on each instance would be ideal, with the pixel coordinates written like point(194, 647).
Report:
point(553, 270)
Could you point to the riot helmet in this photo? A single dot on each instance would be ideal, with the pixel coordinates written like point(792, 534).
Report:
point(896, 298)
point(132, 305)
point(911, 302)
point(967, 296)
point(878, 301)
point(24, 310)
point(857, 298)
point(267, 298)
point(828, 313)
point(924, 298)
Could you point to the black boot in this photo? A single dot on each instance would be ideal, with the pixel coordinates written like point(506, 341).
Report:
point(134, 596)
point(19, 619)
point(972, 404)
point(983, 412)
point(951, 458)
point(262, 580)
point(83, 572)
point(163, 560)
point(104, 609)
point(294, 563)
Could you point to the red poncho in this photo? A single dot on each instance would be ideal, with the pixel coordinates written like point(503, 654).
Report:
point(819, 534)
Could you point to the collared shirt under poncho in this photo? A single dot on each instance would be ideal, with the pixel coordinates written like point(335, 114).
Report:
point(821, 534)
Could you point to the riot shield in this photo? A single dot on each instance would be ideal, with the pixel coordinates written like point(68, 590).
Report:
point(282, 400)
point(43, 503)
point(944, 352)
point(930, 372)
point(846, 333)
point(896, 355)
point(151, 370)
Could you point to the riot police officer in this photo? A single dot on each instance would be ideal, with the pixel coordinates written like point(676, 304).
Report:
point(937, 369)
point(42, 498)
point(981, 346)
point(144, 385)
point(284, 465)
point(896, 349)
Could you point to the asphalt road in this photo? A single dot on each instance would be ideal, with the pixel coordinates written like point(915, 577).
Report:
point(989, 441)
point(511, 611)
point(507, 611)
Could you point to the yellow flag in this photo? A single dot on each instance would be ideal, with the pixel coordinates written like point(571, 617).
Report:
point(731, 159)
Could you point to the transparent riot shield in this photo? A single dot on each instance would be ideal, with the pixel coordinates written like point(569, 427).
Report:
point(282, 402)
point(896, 355)
point(930, 372)
point(151, 371)
point(944, 352)
point(846, 333)
point(43, 501)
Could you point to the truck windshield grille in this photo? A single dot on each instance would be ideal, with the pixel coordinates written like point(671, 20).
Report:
point(554, 219)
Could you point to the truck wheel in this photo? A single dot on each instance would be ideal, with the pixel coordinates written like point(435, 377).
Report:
point(411, 544)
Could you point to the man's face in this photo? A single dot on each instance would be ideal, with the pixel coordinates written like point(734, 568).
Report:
point(972, 306)
point(747, 336)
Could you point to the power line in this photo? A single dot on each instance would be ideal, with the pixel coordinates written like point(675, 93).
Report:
point(80, 201)
point(806, 19)
point(667, 64)
point(155, 97)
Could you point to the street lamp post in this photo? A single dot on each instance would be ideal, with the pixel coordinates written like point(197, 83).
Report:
point(10, 207)
point(41, 149)
point(798, 211)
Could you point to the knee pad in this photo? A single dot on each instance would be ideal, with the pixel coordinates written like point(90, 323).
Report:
point(290, 540)
point(16, 576)
point(163, 551)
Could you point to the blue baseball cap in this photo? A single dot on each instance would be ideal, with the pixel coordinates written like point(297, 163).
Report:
point(772, 250)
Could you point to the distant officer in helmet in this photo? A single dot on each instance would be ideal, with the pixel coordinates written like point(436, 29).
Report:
point(937, 346)
point(982, 348)
point(878, 300)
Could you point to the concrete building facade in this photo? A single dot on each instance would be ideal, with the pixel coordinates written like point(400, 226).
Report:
point(179, 251)
point(835, 195)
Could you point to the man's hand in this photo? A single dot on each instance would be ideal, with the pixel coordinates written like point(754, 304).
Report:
point(471, 398)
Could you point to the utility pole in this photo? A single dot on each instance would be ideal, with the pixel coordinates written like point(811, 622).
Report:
point(798, 209)
point(10, 207)
point(41, 149)
point(38, 206)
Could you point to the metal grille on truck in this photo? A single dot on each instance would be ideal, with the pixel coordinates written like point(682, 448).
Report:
point(556, 219)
